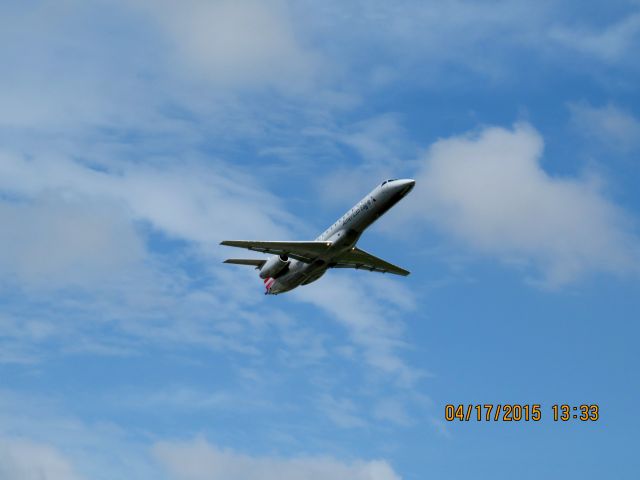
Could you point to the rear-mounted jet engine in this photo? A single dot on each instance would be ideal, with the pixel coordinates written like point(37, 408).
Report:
point(274, 266)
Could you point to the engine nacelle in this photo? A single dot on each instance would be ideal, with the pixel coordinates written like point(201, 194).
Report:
point(274, 266)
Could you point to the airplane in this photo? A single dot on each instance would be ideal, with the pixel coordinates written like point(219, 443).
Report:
point(299, 263)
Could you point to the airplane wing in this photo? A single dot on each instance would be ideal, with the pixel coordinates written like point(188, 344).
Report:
point(303, 251)
point(359, 259)
point(246, 261)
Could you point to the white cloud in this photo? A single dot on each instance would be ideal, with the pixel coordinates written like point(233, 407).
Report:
point(179, 398)
point(488, 190)
point(615, 127)
point(200, 460)
point(392, 410)
point(54, 241)
point(52, 446)
point(66, 72)
point(20, 339)
point(27, 460)
point(192, 202)
point(341, 411)
point(386, 40)
point(68, 225)
point(40, 442)
point(238, 44)
point(443, 44)
point(62, 68)
point(368, 308)
point(611, 44)
point(380, 140)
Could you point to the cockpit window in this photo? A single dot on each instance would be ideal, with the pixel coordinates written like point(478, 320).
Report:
point(384, 182)
point(390, 180)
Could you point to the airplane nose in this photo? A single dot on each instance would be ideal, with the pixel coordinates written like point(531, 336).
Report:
point(405, 185)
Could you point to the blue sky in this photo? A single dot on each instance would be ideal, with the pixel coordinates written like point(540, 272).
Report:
point(136, 135)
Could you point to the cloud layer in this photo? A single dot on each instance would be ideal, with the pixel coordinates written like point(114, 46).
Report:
point(237, 44)
point(615, 127)
point(489, 191)
point(136, 134)
point(26, 460)
point(199, 460)
point(52, 241)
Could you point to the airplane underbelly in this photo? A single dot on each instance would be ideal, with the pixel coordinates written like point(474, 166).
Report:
point(314, 276)
point(303, 276)
point(292, 279)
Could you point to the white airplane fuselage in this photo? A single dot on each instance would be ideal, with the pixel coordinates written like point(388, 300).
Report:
point(342, 235)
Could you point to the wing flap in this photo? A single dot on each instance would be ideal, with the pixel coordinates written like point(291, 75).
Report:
point(303, 251)
point(246, 261)
point(359, 259)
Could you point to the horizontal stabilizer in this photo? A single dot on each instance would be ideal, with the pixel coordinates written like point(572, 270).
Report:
point(359, 259)
point(303, 251)
point(246, 261)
